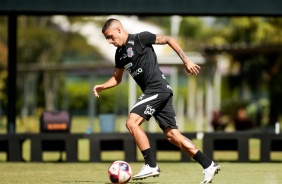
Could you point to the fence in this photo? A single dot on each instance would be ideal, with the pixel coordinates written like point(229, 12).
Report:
point(68, 143)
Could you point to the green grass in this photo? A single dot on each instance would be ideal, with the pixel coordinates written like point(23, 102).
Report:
point(31, 124)
point(172, 173)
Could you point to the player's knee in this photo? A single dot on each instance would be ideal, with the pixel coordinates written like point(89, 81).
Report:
point(130, 125)
point(134, 123)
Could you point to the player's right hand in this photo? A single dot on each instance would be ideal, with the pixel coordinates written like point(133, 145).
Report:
point(97, 89)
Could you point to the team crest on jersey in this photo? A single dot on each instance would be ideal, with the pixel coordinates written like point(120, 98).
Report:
point(130, 52)
point(149, 110)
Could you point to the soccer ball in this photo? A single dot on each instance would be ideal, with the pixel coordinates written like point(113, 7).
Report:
point(119, 172)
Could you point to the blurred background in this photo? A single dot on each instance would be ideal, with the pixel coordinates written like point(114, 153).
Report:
point(60, 59)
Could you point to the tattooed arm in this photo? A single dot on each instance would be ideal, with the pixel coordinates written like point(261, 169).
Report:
point(189, 65)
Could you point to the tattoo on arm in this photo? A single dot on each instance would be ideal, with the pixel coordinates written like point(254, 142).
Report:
point(181, 54)
point(161, 39)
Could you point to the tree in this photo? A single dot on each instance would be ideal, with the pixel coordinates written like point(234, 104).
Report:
point(260, 70)
point(191, 33)
point(3, 61)
point(42, 41)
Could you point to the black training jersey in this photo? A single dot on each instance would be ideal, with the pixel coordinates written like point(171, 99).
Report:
point(138, 57)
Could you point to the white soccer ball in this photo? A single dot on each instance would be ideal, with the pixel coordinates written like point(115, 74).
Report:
point(119, 172)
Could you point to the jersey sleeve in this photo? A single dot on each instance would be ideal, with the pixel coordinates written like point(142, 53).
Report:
point(146, 39)
point(117, 63)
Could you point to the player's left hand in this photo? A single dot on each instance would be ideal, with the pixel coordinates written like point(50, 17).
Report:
point(192, 68)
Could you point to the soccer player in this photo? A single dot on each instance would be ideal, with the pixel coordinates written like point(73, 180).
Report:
point(135, 53)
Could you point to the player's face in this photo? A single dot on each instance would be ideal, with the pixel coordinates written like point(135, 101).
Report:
point(113, 36)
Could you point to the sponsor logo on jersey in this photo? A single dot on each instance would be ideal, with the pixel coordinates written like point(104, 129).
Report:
point(130, 52)
point(149, 110)
point(131, 42)
point(128, 66)
point(136, 72)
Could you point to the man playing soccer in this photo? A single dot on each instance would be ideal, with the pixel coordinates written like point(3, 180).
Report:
point(135, 54)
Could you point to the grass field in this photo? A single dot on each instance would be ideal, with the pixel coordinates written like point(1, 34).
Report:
point(172, 173)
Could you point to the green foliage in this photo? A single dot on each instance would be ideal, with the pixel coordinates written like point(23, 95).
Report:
point(191, 31)
point(191, 28)
point(3, 78)
point(163, 22)
point(40, 40)
point(78, 93)
point(3, 60)
point(252, 30)
point(106, 101)
point(3, 29)
point(121, 94)
point(113, 100)
point(39, 37)
point(76, 49)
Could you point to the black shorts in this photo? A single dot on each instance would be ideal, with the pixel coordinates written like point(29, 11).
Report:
point(157, 105)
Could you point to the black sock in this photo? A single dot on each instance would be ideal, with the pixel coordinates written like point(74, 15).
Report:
point(202, 159)
point(149, 157)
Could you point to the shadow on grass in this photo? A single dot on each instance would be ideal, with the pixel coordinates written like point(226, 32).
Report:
point(137, 183)
point(107, 182)
point(78, 181)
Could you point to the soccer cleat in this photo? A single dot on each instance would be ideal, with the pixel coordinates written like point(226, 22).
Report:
point(147, 171)
point(210, 172)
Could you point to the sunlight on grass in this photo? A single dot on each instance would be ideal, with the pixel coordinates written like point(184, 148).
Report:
point(168, 155)
point(276, 156)
point(254, 149)
point(172, 173)
point(226, 155)
point(83, 149)
point(112, 155)
point(3, 156)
